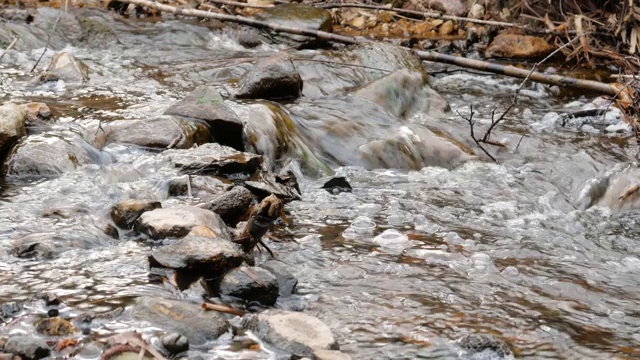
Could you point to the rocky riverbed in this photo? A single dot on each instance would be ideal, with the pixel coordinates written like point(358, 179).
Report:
point(150, 166)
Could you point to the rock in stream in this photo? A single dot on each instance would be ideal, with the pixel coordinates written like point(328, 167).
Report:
point(178, 221)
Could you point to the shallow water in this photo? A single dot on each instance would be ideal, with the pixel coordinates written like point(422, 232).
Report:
point(400, 268)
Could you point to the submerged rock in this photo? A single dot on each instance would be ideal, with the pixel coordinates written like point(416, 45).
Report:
point(272, 78)
point(214, 159)
point(27, 347)
point(250, 284)
point(66, 67)
point(477, 343)
point(403, 93)
point(413, 148)
point(293, 332)
point(165, 132)
point(178, 221)
point(175, 343)
point(189, 320)
point(518, 46)
point(12, 126)
point(337, 185)
point(286, 281)
point(206, 104)
point(231, 205)
point(48, 154)
point(125, 213)
point(299, 16)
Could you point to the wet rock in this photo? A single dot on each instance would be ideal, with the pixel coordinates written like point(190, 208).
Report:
point(284, 186)
point(55, 326)
point(206, 104)
point(189, 320)
point(337, 185)
point(518, 46)
point(249, 39)
point(28, 248)
point(449, 7)
point(413, 148)
point(197, 256)
point(64, 66)
point(272, 78)
point(27, 347)
point(214, 159)
point(330, 355)
point(618, 189)
point(299, 16)
point(111, 231)
point(293, 332)
point(403, 93)
point(286, 281)
point(9, 309)
point(175, 343)
point(201, 186)
point(48, 154)
point(250, 284)
point(231, 205)
point(51, 299)
point(125, 213)
point(12, 126)
point(36, 111)
point(178, 221)
point(477, 343)
point(165, 132)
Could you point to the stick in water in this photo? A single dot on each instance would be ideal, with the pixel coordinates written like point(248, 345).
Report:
point(222, 308)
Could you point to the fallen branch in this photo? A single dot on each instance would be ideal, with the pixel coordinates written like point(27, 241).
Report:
point(9, 47)
point(473, 135)
point(507, 70)
point(222, 308)
point(239, 4)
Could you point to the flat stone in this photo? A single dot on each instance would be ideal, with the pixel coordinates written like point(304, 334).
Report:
point(205, 103)
point(518, 46)
point(231, 205)
point(49, 154)
point(285, 187)
point(201, 186)
point(214, 159)
point(293, 332)
point(27, 347)
point(250, 284)
point(12, 126)
point(272, 78)
point(164, 132)
point(187, 319)
point(286, 281)
point(197, 256)
point(125, 213)
point(178, 221)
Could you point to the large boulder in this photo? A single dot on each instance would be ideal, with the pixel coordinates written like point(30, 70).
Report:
point(49, 154)
point(27, 347)
point(162, 132)
point(293, 332)
point(250, 284)
point(178, 221)
point(196, 256)
point(214, 159)
point(272, 78)
point(190, 320)
point(12, 126)
point(205, 103)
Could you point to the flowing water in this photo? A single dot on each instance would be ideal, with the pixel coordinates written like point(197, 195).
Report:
point(399, 268)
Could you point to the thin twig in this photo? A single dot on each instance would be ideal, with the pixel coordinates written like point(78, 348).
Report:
point(239, 4)
point(473, 135)
point(9, 47)
point(46, 47)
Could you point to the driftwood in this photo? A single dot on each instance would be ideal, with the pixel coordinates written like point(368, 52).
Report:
point(507, 70)
point(222, 308)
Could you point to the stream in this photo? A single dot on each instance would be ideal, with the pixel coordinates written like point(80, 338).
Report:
point(400, 267)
